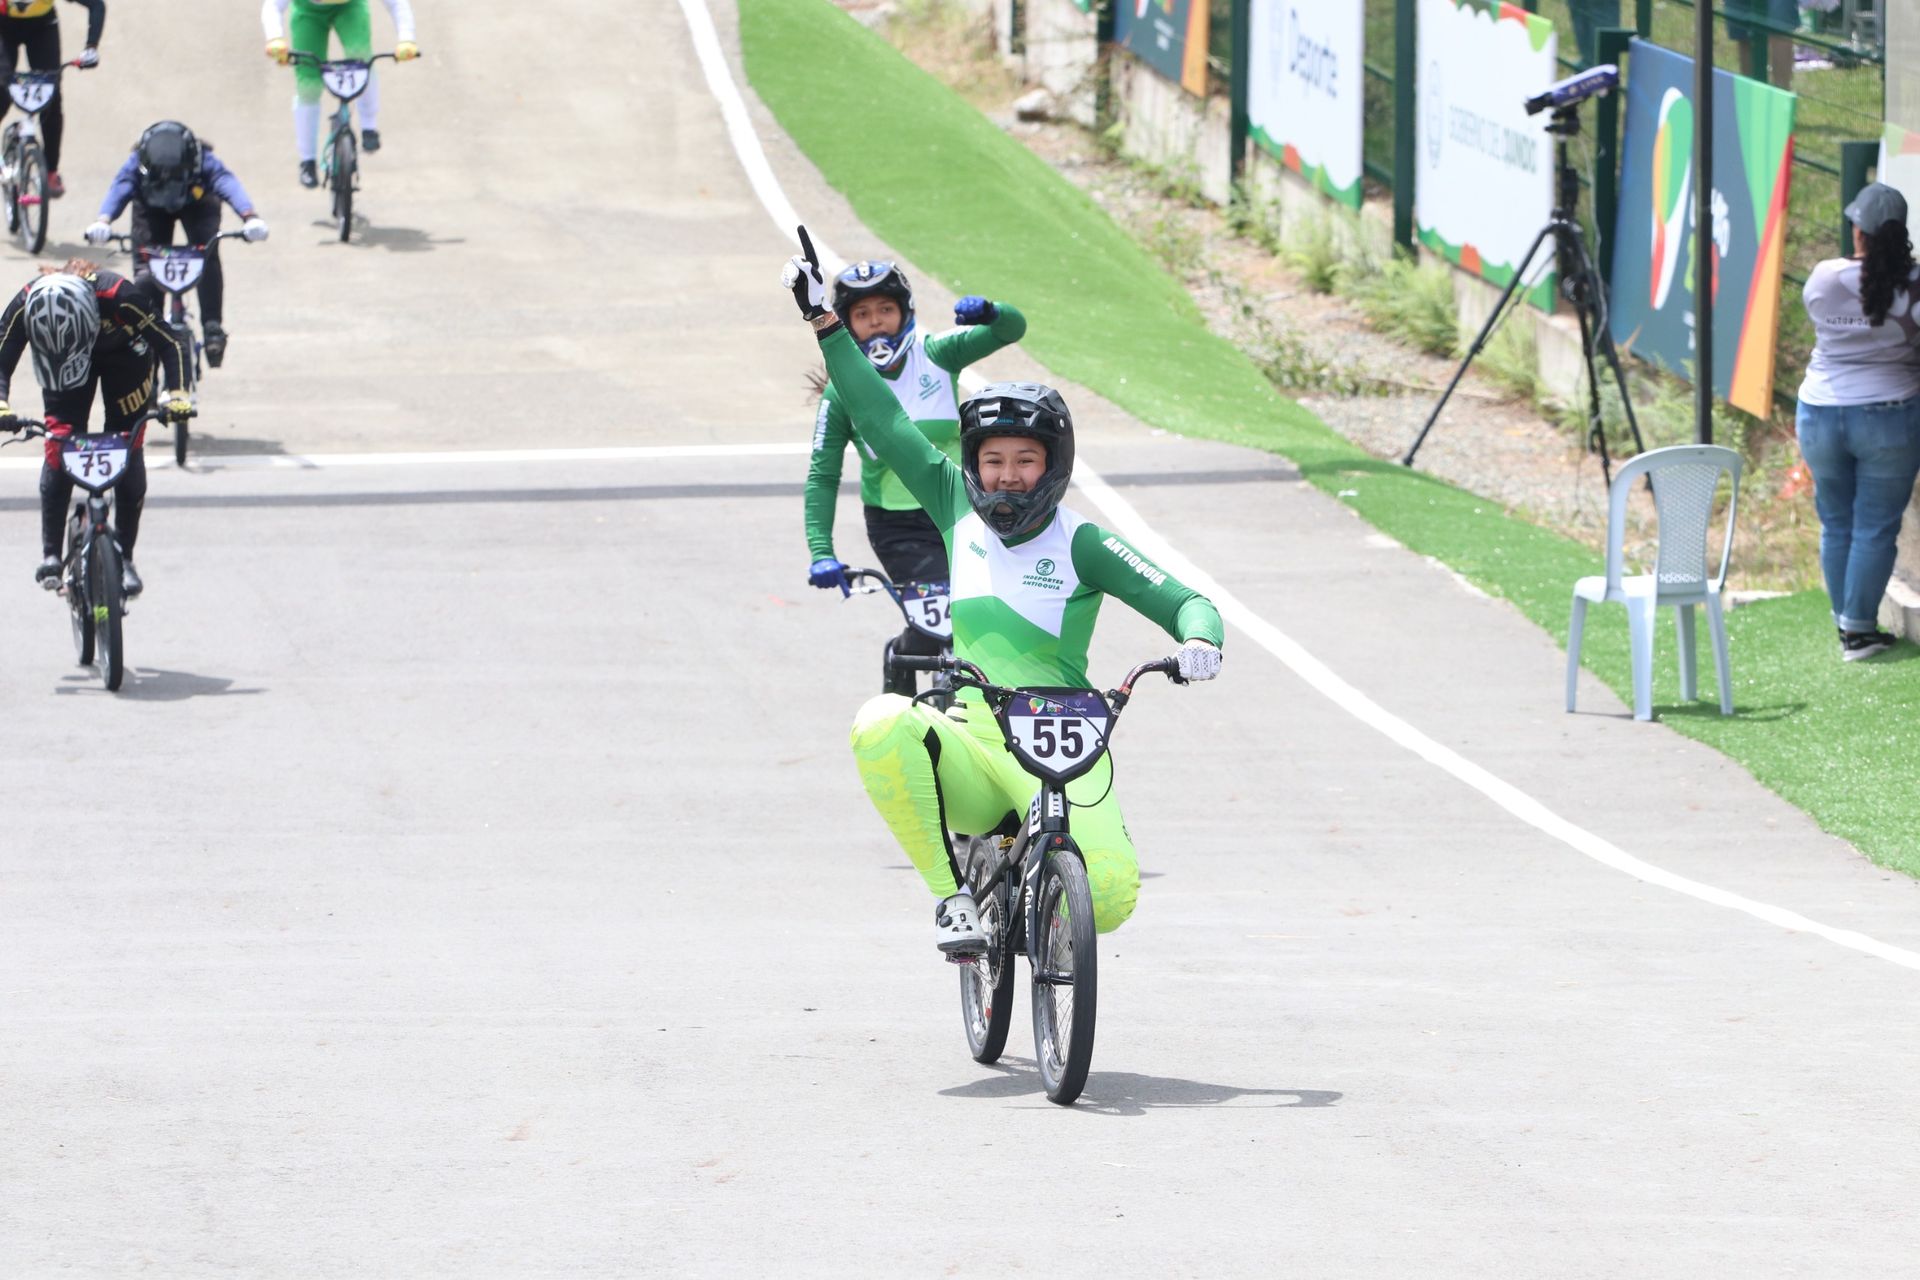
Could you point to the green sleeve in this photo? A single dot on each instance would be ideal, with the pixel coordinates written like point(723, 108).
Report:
point(930, 476)
point(956, 350)
point(1106, 562)
point(831, 435)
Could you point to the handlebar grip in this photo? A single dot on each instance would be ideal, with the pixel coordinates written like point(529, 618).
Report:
point(919, 662)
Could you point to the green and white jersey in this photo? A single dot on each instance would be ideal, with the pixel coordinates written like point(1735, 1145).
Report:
point(926, 387)
point(1023, 612)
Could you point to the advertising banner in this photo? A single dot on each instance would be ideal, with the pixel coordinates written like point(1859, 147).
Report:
point(1485, 167)
point(1652, 297)
point(1168, 35)
point(1305, 90)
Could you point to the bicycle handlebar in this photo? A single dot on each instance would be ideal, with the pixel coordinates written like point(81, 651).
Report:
point(965, 673)
point(36, 428)
point(298, 57)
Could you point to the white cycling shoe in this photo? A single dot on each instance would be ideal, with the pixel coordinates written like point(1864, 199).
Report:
point(957, 922)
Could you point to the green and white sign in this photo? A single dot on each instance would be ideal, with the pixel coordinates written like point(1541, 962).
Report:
point(1305, 92)
point(1485, 167)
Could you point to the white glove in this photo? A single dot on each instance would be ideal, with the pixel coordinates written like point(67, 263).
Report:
point(89, 57)
point(1199, 660)
point(99, 232)
point(254, 230)
point(801, 277)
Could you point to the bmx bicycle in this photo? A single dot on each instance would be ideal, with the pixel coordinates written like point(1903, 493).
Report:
point(346, 79)
point(1031, 886)
point(23, 160)
point(925, 606)
point(91, 570)
point(177, 269)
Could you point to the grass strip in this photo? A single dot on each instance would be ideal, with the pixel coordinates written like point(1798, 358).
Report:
point(935, 178)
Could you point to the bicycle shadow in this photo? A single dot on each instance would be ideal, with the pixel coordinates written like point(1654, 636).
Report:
point(393, 239)
point(1127, 1093)
point(151, 684)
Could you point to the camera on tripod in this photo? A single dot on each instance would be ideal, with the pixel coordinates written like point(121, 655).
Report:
point(1575, 89)
point(1580, 281)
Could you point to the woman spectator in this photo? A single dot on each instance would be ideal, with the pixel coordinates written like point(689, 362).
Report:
point(1858, 417)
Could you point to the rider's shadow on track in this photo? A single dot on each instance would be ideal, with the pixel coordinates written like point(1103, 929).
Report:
point(1125, 1093)
point(392, 239)
point(150, 684)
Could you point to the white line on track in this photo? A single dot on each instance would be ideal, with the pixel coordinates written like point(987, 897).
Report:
point(1125, 520)
point(327, 461)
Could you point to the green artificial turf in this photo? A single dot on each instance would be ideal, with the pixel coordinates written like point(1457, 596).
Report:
point(936, 179)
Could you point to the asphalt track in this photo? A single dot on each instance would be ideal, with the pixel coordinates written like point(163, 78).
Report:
point(472, 878)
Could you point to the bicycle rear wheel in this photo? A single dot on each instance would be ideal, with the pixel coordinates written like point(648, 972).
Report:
point(1064, 979)
point(77, 608)
point(345, 165)
point(986, 985)
point(108, 606)
point(31, 181)
point(10, 185)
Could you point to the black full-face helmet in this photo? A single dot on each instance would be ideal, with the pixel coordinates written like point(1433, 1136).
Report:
point(169, 162)
point(876, 280)
point(1017, 409)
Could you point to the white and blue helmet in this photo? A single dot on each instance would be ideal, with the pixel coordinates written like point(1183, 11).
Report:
point(877, 279)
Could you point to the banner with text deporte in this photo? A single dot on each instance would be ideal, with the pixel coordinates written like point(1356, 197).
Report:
point(1168, 35)
point(1652, 292)
point(1485, 167)
point(1305, 91)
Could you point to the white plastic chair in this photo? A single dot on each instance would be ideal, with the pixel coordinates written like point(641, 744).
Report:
point(1685, 478)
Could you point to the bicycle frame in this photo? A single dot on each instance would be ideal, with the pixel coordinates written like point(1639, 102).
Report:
point(1047, 828)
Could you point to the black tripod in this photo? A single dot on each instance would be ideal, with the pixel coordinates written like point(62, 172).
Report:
point(1580, 285)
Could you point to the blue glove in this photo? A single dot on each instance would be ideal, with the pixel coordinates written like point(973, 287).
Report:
point(974, 309)
point(829, 572)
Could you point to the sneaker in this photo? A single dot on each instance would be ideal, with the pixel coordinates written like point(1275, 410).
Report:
point(1855, 645)
point(957, 921)
point(214, 342)
point(48, 574)
point(309, 175)
point(130, 583)
point(55, 187)
point(369, 140)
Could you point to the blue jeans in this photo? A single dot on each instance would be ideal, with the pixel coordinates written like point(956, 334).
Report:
point(1864, 458)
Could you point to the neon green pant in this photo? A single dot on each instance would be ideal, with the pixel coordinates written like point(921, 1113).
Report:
point(307, 28)
point(929, 773)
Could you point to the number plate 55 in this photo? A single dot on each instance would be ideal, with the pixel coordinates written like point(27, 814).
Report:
point(1057, 734)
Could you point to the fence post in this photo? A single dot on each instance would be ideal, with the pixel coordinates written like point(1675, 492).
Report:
point(1855, 159)
point(1643, 18)
point(1237, 120)
point(1017, 28)
point(1405, 122)
point(1612, 47)
point(1103, 58)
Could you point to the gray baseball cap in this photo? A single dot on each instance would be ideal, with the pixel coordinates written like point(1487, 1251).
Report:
point(1875, 206)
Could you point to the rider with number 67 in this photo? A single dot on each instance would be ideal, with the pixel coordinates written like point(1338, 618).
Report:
point(173, 177)
point(1028, 580)
point(90, 330)
point(34, 25)
point(309, 24)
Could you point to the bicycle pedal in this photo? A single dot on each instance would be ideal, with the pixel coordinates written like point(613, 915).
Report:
point(964, 957)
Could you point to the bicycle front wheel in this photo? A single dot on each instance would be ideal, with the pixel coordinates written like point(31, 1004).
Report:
point(31, 183)
point(345, 165)
point(1064, 978)
point(74, 571)
point(986, 985)
point(180, 444)
point(108, 606)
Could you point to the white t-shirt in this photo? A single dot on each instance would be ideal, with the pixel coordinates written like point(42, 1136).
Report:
point(1855, 362)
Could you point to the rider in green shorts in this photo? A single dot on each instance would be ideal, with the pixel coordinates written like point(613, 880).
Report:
point(310, 22)
point(1028, 579)
point(875, 302)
